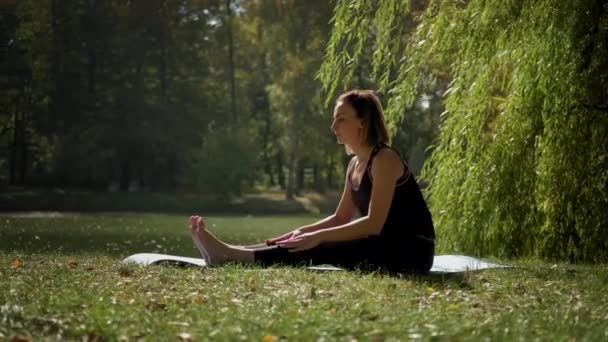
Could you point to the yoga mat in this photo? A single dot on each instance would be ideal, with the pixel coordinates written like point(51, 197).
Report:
point(442, 264)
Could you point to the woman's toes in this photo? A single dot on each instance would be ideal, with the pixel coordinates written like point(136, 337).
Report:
point(200, 223)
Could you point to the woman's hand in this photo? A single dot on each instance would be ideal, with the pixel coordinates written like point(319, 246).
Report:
point(290, 235)
point(301, 242)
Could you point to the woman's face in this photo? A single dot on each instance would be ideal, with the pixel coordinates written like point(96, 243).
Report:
point(346, 125)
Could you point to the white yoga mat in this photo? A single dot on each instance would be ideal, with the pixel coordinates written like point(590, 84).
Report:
point(442, 264)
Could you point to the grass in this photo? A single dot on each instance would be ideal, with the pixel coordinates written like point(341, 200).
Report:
point(61, 279)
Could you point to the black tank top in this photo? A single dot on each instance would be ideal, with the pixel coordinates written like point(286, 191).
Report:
point(409, 216)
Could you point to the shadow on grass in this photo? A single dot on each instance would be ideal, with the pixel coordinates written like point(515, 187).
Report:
point(270, 203)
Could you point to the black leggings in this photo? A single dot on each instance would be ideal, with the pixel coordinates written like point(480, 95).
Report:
point(408, 255)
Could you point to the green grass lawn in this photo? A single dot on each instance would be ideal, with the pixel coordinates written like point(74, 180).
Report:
point(61, 279)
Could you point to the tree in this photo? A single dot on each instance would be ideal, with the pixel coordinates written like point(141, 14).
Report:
point(288, 40)
point(520, 167)
point(145, 94)
point(115, 89)
point(25, 83)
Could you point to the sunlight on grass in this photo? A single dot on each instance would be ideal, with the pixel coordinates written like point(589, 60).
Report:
point(61, 279)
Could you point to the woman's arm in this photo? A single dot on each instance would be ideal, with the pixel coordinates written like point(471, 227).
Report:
point(387, 168)
point(344, 213)
point(330, 221)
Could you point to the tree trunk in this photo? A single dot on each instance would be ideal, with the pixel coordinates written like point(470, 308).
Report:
point(294, 160)
point(92, 60)
point(162, 75)
point(268, 168)
point(280, 173)
point(58, 49)
point(291, 179)
point(232, 81)
point(18, 153)
point(264, 109)
point(300, 180)
point(172, 181)
point(265, 139)
point(329, 174)
point(23, 151)
point(125, 174)
point(14, 146)
point(317, 178)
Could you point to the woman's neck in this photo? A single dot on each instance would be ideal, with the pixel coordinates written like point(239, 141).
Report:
point(362, 152)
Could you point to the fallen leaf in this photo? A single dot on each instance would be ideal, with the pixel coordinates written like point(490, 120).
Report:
point(93, 337)
point(19, 338)
point(253, 285)
point(199, 299)
point(371, 317)
point(72, 265)
point(408, 284)
point(453, 306)
point(184, 336)
point(17, 264)
point(182, 324)
point(155, 305)
point(270, 338)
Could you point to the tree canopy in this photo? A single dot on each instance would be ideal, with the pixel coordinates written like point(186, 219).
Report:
point(520, 167)
point(165, 95)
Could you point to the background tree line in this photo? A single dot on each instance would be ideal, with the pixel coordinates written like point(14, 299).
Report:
point(217, 96)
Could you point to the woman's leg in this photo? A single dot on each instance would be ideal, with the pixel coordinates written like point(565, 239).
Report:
point(251, 247)
point(348, 254)
point(409, 255)
point(212, 249)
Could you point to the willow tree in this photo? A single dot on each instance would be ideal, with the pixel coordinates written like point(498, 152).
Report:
point(521, 164)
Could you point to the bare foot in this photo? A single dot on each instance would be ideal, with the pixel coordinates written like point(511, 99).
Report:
point(216, 251)
point(193, 228)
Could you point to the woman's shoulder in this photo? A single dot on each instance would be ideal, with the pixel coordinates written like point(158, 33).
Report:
point(387, 161)
point(389, 156)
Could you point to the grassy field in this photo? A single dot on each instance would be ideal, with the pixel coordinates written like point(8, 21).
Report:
point(61, 279)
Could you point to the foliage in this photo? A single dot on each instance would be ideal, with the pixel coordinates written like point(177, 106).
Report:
point(293, 42)
point(520, 167)
point(226, 163)
point(113, 95)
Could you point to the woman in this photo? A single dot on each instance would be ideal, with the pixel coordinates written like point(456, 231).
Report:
point(394, 230)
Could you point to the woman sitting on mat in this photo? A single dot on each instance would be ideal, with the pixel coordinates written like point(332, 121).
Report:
point(394, 231)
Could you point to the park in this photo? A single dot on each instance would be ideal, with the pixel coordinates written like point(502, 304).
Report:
point(120, 120)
